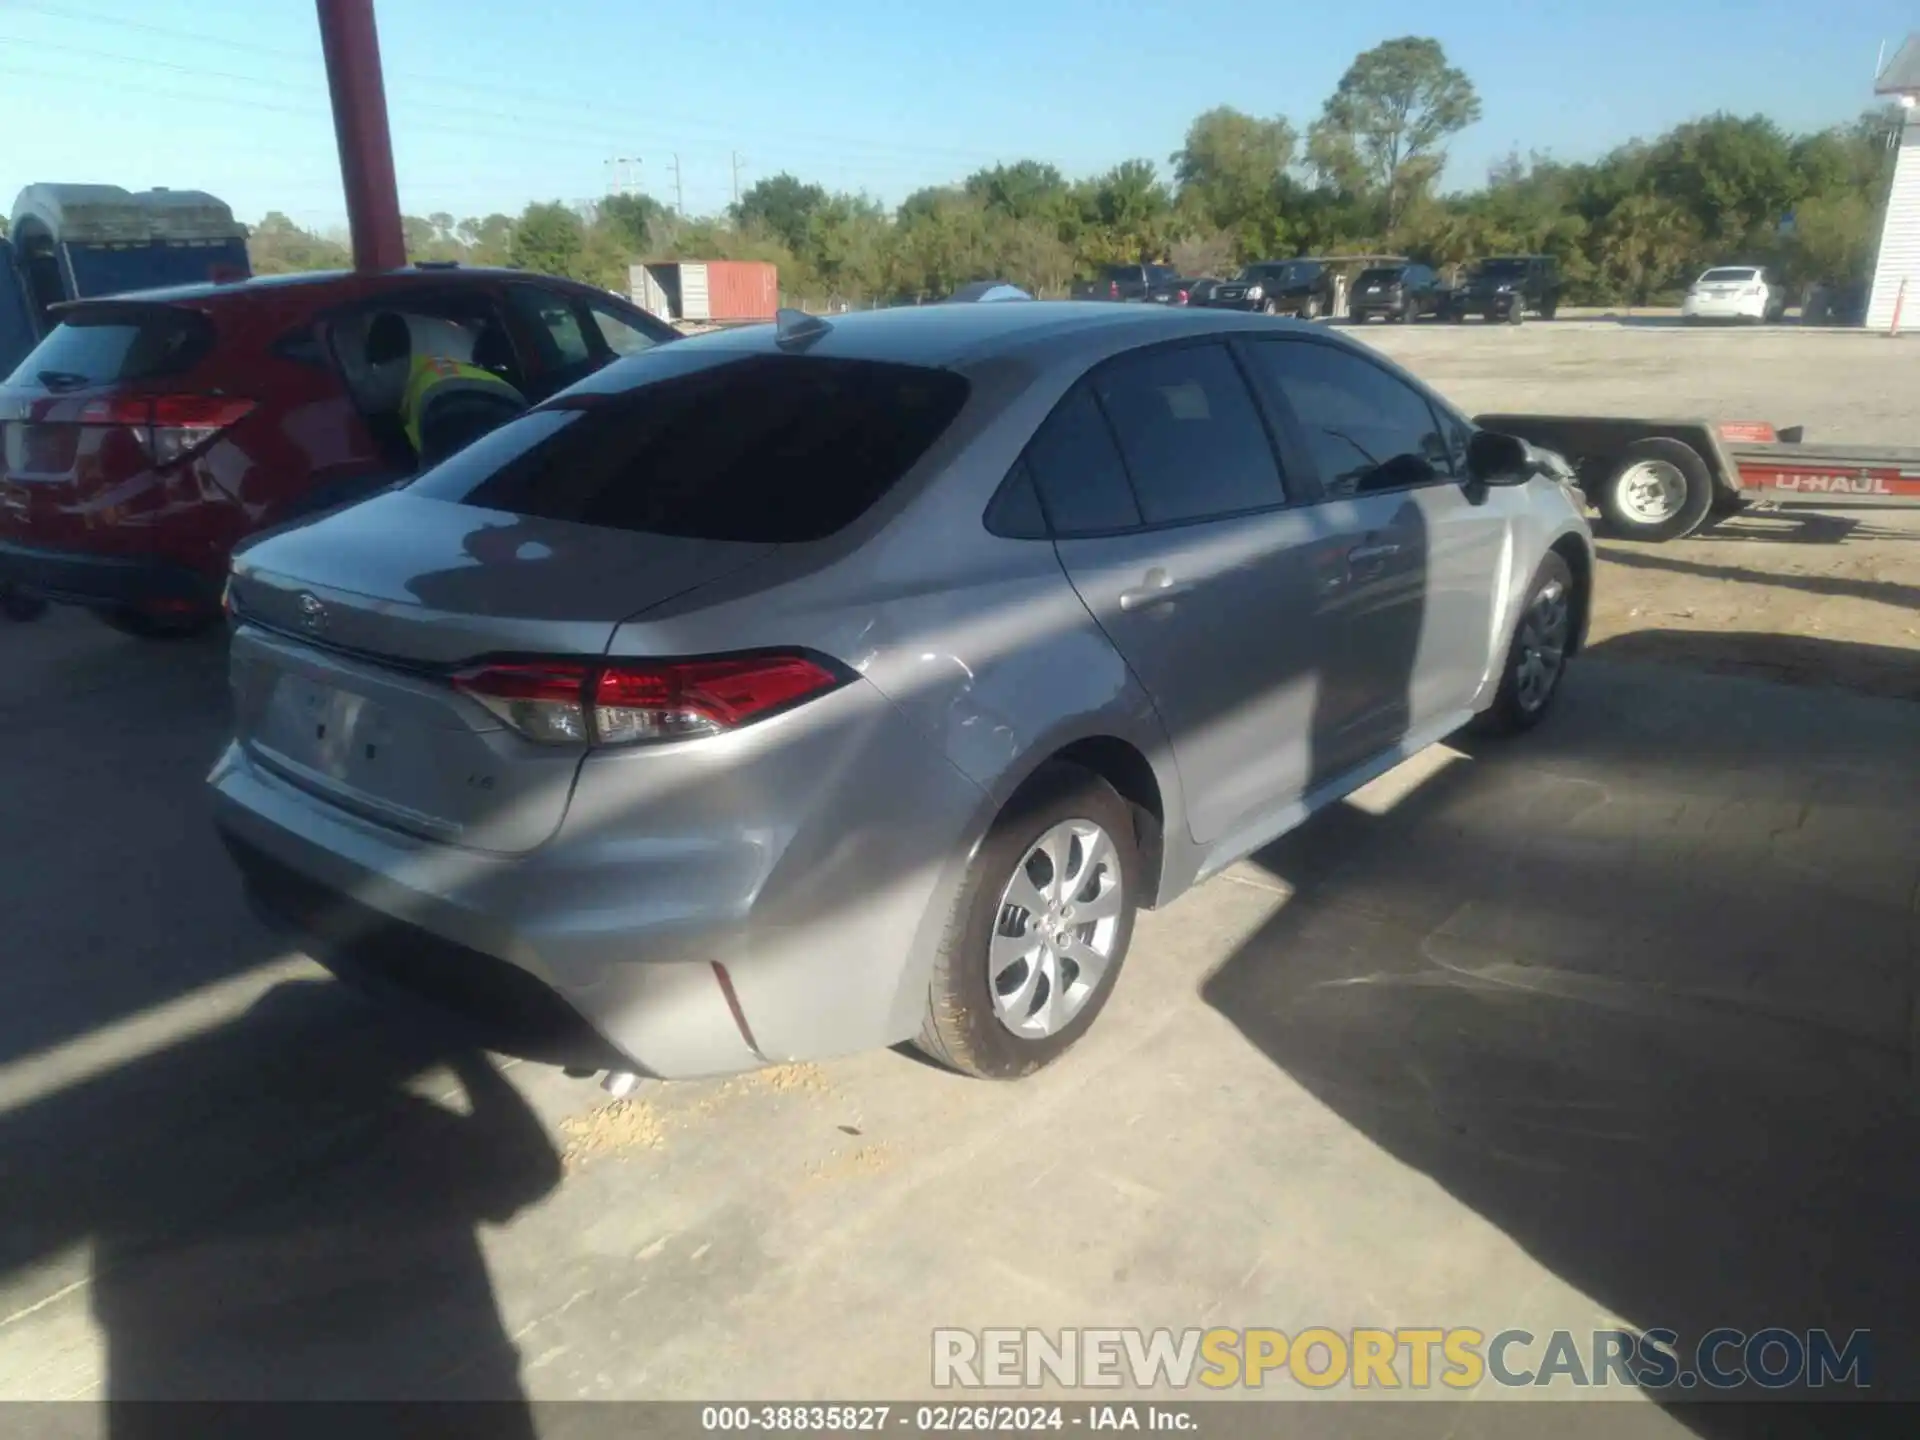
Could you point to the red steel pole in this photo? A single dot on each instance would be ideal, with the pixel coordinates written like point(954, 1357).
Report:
point(352, 47)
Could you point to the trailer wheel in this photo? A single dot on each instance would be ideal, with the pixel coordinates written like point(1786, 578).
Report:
point(1659, 489)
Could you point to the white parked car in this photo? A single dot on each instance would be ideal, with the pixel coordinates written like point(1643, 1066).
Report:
point(1734, 292)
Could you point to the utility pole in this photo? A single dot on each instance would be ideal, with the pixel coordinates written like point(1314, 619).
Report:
point(737, 158)
point(679, 194)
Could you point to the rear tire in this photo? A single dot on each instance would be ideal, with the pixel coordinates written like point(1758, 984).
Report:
point(971, 1018)
point(1536, 662)
point(1659, 489)
point(145, 626)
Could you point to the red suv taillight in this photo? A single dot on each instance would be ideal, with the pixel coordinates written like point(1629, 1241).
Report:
point(168, 427)
point(565, 702)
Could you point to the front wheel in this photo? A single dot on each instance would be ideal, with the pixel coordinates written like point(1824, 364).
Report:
point(1311, 310)
point(1269, 307)
point(1658, 489)
point(1040, 930)
point(1537, 658)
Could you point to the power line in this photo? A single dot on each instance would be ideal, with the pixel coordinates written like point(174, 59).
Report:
point(490, 88)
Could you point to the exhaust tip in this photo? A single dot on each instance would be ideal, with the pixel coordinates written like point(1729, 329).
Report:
point(619, 1083)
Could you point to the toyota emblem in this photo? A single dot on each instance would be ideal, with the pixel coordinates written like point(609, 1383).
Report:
point(313, 614)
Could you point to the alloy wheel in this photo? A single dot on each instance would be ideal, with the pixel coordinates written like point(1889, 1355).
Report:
point(1056, 929)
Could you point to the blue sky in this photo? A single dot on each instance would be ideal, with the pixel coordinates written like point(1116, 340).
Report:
point(493, 105)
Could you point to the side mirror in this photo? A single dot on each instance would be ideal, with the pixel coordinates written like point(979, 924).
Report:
point(1496, 459)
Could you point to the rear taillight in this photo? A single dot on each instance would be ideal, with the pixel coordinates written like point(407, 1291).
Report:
point(169, 427)
point(632, 702)
point(1113, 290)
point(1182, 298)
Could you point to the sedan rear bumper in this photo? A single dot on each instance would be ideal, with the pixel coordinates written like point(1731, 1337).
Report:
point(106, 582)
point(1739, 308)
point(703, 908)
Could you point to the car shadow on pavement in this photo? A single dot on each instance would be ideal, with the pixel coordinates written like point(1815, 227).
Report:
point(282, 1208)
point(1794, 526)
point(118, 897)
point(1891, 672)
point(1891, 592)
point(1637, 990)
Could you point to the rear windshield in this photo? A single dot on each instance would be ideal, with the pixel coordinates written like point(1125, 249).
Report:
point(1119, 272)
point(102, 347)
point(768, 449)
point(1730, 276)
point(1389, 276)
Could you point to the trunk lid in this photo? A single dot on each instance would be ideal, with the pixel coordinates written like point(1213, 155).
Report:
point(352, 626)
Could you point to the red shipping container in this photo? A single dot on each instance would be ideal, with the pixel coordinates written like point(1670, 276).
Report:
point(742, 289)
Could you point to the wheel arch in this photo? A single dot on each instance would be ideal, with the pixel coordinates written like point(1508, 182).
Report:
point(1573, 549)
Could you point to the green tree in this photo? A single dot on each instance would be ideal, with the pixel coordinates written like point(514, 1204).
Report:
point(781, 205)
point(1734, 175)
point(1229, 166)
point(1382, 131)
point(277, 246)
point(550, 239)
point(632, 220)
point(1644, 244)
point(1024, 190)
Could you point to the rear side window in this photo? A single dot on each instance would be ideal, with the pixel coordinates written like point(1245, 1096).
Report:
point(1192, 439)
point(1082, 482)
point(767, 449)
point(109, 346)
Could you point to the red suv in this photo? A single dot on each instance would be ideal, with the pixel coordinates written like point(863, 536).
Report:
point(150, 433)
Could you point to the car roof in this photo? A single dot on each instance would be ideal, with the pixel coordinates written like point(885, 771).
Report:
point(954, 335)
point(351, 283)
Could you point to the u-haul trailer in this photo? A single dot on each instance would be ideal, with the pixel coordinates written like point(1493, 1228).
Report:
point(1661, 479)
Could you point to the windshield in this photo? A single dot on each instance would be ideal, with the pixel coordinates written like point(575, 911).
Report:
point(1501, 269)
point(1267, 274)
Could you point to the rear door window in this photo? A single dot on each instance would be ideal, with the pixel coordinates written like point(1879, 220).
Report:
point(112, 346)
point(1192, 439)
point(767, 449)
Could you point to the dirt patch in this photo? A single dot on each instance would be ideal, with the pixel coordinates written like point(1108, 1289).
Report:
point(619, 1126)
point(867, 1160)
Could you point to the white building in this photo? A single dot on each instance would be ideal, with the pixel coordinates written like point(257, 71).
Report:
point(1899, 260)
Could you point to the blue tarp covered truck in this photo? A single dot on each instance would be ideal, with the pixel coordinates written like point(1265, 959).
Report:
point(73, 242)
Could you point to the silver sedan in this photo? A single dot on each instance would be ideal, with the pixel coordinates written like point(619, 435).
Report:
point(813, 687)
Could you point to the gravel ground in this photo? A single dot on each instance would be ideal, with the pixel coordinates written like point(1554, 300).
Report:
point(1806, 596)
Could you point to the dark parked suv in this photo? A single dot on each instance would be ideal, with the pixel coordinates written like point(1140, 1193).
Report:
point(149, 433)
point(1394, 292)
point(1505, 287)
point(1277, 287)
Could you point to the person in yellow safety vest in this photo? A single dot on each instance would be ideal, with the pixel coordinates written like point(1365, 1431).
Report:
point(431, 378)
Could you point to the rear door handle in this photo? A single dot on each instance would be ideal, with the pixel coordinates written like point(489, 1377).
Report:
point(1158, 588)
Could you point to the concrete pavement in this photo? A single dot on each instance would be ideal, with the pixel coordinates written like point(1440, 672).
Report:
point(1611, 1024)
